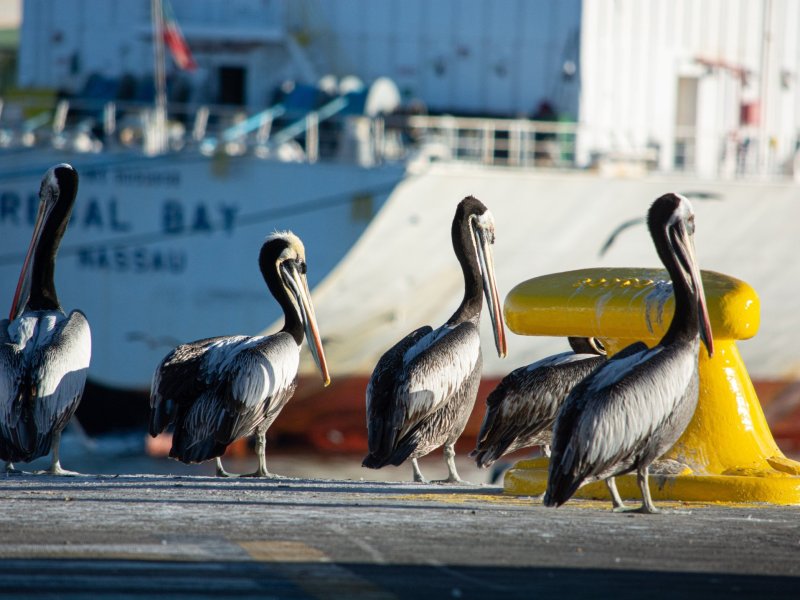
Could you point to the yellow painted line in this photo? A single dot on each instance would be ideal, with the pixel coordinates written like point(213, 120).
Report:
point(283, 551)
point(530, 500)
point(461, 498)
point(312, 571)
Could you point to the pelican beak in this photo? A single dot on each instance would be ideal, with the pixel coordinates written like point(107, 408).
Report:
point(687, 256)
point(299, 287)
point(486, 261)
point(23, 291)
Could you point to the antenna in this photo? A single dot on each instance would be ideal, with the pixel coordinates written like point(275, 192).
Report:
point(158, 142)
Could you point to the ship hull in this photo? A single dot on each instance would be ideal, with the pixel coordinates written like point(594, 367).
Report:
point(161, 251)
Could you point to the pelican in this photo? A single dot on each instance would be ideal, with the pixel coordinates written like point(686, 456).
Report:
point(634, 407)
point(521, 410)
point(44, 354)
point(422, 390)
point(217, 390)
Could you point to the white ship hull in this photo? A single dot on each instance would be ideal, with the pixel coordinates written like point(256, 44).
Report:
point(161, 251)
point(551, 222)
point(164, 251)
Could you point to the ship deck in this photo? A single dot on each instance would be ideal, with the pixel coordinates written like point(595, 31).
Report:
point(195, 536)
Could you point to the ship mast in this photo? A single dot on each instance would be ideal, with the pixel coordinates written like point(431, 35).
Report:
point(764, 84)
point(157, 143)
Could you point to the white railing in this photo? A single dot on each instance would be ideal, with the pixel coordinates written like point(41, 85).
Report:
point(524, 143)
point(507, 142)
point(369, 141)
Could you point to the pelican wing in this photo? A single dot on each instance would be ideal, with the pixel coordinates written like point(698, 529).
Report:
point(11, 371)
point(59, 365)
point(524, 405)
point(381, 391)
point(177, 383)
point(435, 368)
point(611, 414)
point(256, 383)
point(225, 388)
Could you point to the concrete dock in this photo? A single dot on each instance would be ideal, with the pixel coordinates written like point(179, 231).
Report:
point(134, 536)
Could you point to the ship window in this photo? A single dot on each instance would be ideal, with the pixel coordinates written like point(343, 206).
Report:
point(232, 85)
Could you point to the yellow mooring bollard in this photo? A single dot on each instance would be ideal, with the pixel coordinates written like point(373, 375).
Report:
point(728, 447)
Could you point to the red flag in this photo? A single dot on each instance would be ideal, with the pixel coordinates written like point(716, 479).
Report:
point(175, 41)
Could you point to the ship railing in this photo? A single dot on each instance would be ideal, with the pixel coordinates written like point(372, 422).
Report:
point(568, 145)
point(92, 125)
point(260, 122)
point(505, 142)
point(309, 125)
point(88, 125)
point(327, 134)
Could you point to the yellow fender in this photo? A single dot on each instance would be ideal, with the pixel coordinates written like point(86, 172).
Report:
point(728, 448)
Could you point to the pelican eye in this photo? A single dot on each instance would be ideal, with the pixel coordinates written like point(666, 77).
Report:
point(690, 225)
point(482, 227)
point(301, 267)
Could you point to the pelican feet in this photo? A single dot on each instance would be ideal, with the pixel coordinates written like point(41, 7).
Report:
point(261, 454)
point(55, 461)
point(643, 509)
point(56, 469)
point(418, 476)
point(652, 510)
point(221, 472)
point(647, 507)
point(226, 474)
point(11, 470)
point(452, 473)
point(616, 499)
point(264, 475)
point(260, 472)
point(453, 481)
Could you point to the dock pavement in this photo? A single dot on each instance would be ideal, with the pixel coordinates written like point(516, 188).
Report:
point(186, 536)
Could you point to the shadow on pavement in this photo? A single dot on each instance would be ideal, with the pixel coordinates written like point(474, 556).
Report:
point(245, 579)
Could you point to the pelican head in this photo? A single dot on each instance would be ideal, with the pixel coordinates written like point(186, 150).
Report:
point(671, 218)
point(288, 255)
point(56, 199)
point(482, 232)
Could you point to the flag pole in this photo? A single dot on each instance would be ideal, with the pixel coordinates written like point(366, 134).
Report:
point(159, 142)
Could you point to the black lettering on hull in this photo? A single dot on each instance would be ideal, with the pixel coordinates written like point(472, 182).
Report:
point(133, 259)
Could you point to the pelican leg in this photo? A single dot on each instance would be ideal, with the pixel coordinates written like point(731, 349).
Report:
point(221, 472)
point(55, 464)
point(647, 506)
point(418, 476)
point(647, 502)
point(616, 499)
point(11, 470)
point(450, 460)
point(261, 454)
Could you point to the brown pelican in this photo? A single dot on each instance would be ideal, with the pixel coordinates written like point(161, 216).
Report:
point(44, 354)
point(634, 407)
point(521, 410)
point(422, 390)
point(220, 389)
